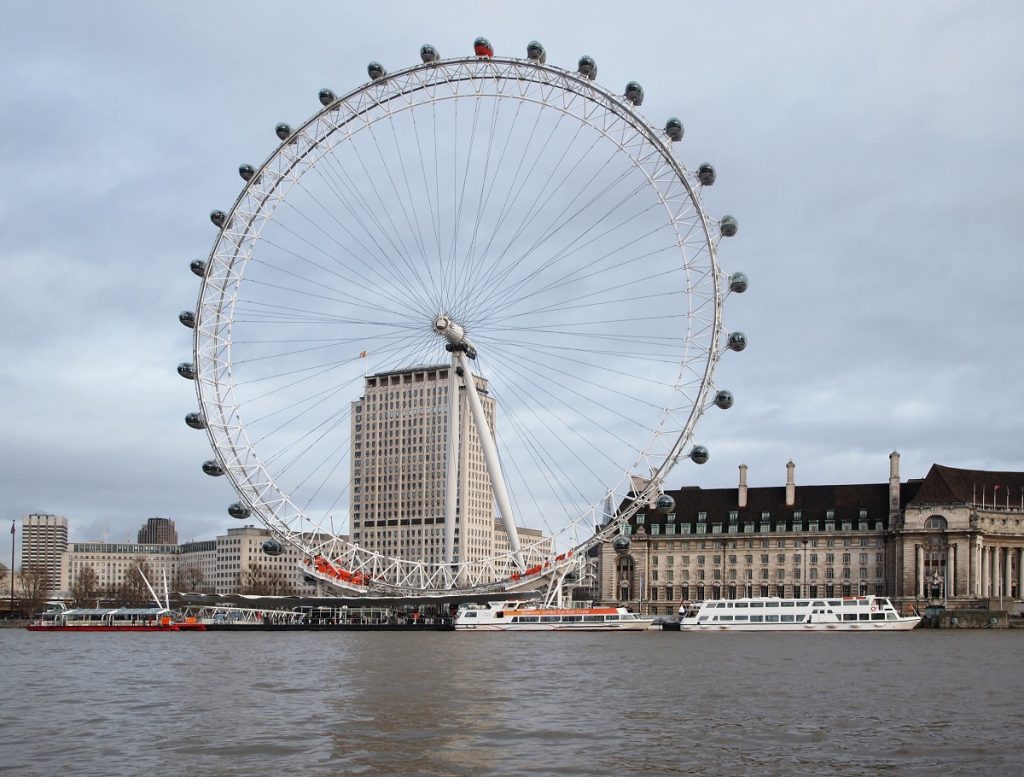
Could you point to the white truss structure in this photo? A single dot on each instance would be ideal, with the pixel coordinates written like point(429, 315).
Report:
point(675, 189)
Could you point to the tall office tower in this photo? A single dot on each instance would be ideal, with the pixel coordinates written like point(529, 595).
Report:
point(399, 455)
point(158, 531)
point(44, 539)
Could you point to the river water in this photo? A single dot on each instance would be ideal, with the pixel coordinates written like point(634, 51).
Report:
point(437, 703)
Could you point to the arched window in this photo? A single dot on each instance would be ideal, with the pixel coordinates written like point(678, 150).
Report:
point(936, 522)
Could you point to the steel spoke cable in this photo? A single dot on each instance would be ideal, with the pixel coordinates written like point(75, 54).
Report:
point(413, 290)
point(565, 253)
point(499, 283)
point(475, 282)
point(542, 370)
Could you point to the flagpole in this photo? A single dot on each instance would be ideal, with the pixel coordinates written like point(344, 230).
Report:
point(13, 524)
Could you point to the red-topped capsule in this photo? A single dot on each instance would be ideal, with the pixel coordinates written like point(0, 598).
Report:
point(482, 48)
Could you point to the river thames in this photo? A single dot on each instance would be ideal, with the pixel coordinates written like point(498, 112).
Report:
point(437, 703)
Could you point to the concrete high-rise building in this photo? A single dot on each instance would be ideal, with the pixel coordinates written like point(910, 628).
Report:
point(398, 462)
point(44, 538)
point(158, 531)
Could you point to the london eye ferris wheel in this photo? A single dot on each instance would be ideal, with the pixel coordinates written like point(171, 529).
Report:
point(460, 324)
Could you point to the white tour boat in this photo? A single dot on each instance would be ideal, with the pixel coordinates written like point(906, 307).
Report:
point(853, 613)
point(529, 616)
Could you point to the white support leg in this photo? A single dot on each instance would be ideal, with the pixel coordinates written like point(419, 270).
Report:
point(452, 468)
point(491, 460)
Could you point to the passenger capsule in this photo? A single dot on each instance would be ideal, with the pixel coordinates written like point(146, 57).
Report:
point(699, 454)
point(674, 129)
point(665, 504)
point(536, 52)
point(738, 282)
point(483, 48)
point(587, 67)
point(198, 267)
point(187, 318)
point(737, 341)
point(218, 217)
point(272, 548)
point(728, 226)
point(246, 172)
point(283, 131)
point(239, 511)
point(195, 421)
point(326, 97)
point(724, 399)
point(428, 53)
point(212, 468)
point(309, 580)
point(706, 174)
point(621, 543)
point(376, 71)
point(187, 370)
point(635, 93)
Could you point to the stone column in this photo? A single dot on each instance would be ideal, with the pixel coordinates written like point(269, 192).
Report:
point(950, 571)
point(1020, 578)
point(972, 568)
point(1007, 571)
point(920, 594)
point(984, 573)
point(993, 568)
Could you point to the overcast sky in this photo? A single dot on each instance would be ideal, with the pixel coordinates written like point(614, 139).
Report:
point(871, 152)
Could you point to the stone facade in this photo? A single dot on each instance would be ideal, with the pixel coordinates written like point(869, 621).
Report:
point(926, 541)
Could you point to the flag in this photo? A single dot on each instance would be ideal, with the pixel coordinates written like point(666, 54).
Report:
point(362, 354)
point(12, 526)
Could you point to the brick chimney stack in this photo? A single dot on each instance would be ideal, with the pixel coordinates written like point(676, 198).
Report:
point(742, 501)
point(894, 482)
point(790, 484)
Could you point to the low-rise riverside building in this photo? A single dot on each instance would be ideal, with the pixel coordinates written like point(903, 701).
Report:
point(941, 539)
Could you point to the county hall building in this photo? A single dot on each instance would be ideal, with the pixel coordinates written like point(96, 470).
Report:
point(954, 537)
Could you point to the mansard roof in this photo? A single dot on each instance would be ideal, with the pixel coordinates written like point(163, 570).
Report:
point(949, 485)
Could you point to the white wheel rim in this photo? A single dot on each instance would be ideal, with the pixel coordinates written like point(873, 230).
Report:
point(673, 278)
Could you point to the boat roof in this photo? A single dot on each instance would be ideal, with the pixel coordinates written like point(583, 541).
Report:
point(112, 610)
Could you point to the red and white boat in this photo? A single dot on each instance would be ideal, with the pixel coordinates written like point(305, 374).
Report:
point(529, 616)
point(116, 619)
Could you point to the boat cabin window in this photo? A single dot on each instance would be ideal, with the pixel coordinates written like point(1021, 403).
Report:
point(818, 604)
point(787, 604)
point(878, 616)
point(756, 604)
point(834, 603)
point(757, 619)
point(468, 614)
point(770, 618)
point(788, 618)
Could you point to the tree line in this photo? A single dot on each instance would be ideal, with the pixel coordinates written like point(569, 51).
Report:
point(34, 586)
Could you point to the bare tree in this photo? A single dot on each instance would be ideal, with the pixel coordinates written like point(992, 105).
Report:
point(190, 580)
point(265, 582)
point(85, 589)
point(35, 588)
point(133, 591)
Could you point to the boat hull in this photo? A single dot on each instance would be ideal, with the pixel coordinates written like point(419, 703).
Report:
point(639, 625)
point(901, 625)
point(171, 627)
